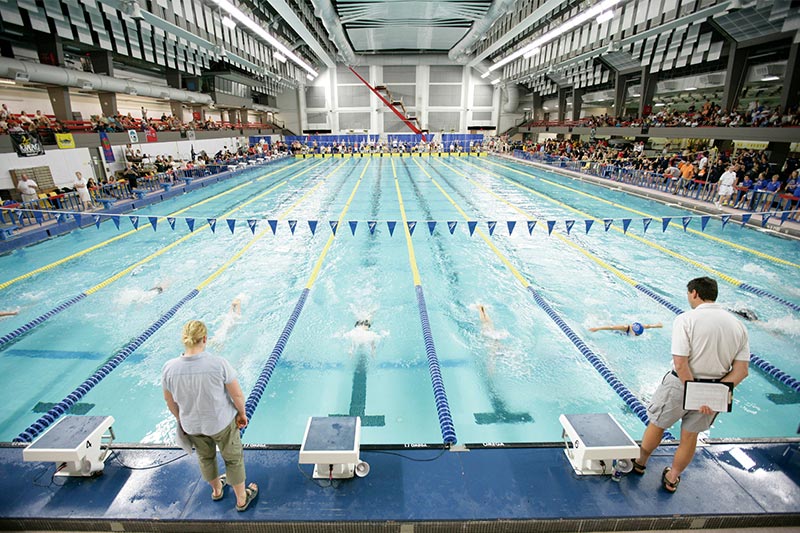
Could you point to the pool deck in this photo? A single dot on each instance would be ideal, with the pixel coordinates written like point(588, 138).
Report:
point(479, 489)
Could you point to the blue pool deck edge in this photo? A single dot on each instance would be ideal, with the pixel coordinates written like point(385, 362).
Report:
point(507, 488)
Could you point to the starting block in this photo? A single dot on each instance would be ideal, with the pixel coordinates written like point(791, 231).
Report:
point(597, 444)
point(139, 193)
point(332, 445)
point(79, 445)
point(7, 232)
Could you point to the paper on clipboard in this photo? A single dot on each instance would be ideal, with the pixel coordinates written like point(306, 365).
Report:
point(715, 394)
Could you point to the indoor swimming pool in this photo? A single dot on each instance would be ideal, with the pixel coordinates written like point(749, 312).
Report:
point(505, 378)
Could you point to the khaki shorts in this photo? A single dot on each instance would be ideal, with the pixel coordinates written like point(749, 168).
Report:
point(230, 447)
point(666, 408)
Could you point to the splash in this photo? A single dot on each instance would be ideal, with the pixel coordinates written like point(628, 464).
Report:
point(787, 325)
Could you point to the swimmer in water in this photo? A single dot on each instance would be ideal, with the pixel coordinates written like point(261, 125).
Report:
point(747, 314)
point(159, 287)
point(362, 335)
point(492, 338)
point(9, 313)
point(635, 328)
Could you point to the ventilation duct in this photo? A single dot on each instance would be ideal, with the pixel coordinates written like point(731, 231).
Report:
point(330, 19)
point(479, 29)
point(512, 98)
point(39, 73)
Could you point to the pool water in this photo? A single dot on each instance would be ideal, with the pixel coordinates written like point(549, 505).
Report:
point(507, 381)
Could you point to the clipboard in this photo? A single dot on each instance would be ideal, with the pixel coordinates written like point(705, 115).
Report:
point(718, 395)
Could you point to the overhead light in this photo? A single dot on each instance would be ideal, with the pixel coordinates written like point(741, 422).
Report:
point(228, 22)
point(8, 82)
point(310, 77)
point(243, 19)
point(605, 16)
point(659, 104)
point(561, 29)
point(495, 82)
point(280, 57)
point(636, 94)
point(546, 108)
point(690, 89)
point(770, 78)
point(485, 75)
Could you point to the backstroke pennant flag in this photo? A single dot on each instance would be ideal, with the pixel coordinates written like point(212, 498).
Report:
point(353, 225)
point(312, 225)
point(646, 224)
point(490, 225)
point(96, 220)
point(412, 225)
point(77, 217)
point(334, 225)
point(531, 225)
point(607, 223)
point(391, 224)
point(231, 224)
point(135, 221)
point(569, 224)
point(190, 224)
point(252, 223)
point(588, 223)
point(685, 221)
point(153, 222)
point(292, 225)
point(372, 224)
point(273, 225)
point(38, 216)
point(431, 226)
point(451, 225)
point(765, 218)
point(212, 223)
point(626, 222)
point(471, 225)
point(511, 224)
point(665, 223)
point(171, 221)
point(550, 225)
point(115, 220)
point(704, 222)
point(746, 218)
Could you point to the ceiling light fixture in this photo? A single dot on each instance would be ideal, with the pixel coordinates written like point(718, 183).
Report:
point(485, 75)
point(495, 82)
point(527, 51)
point(691, 88)
point(770, 78)
point(243, 19)
point(659, 104)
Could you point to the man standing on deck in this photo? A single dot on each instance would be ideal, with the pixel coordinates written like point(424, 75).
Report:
point(27, 187)
point(708, 342)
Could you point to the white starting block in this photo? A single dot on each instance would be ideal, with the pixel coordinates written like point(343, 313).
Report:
point(332, 444)
point(78, 445)
point(597, 444)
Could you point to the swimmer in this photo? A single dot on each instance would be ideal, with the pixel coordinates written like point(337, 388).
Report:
point(236, 307)
point(493, 345)
point(229, 320)
point(637, 328)
point(159, 287)
point(747, 314)
point(362, 335)
point(9, 313)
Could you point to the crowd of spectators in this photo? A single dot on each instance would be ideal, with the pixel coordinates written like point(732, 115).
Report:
point(685, 170)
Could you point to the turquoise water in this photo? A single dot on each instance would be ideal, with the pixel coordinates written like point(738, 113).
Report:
point(506, 383)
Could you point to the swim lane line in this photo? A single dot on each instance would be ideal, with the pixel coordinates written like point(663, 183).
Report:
point(733, 281)
point(277, 351)
point(620, 388)
point(75, 396)
point(757, 253)
point(76, 255)
point(758, 362)
point(437, 382)
point(15, 335)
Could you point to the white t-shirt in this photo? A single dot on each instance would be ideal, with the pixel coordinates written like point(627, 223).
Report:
point(27, 186)
point(727, 179)
point(712, 338)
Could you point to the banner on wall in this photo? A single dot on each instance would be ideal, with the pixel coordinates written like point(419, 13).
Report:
point(27, 144)
point(133, 136)
point(108, 153)
point(65, 140)
point(151, 135)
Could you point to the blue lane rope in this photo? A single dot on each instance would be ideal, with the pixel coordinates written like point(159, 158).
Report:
point(622, 391)
point(14, 336)
point(74, 397)
point(266, 373)
point(439, 394)
point(762, 292)
point(758, 362)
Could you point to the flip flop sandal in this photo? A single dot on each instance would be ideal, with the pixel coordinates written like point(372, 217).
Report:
point(638, 469)
point(252, 493)
point(224, 480)
point(668, 485)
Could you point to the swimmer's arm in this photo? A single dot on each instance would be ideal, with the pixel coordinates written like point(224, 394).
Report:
point(650, 326)
point(621, 327)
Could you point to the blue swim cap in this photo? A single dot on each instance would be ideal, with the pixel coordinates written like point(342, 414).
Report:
point(637, 328)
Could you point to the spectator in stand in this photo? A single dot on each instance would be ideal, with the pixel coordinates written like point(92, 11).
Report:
point(27, 187)
point(772, 189)
point(41, 120)
point(24, 119)
point(745, 194)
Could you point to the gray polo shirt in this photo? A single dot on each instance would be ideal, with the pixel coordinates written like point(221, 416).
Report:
point(197, 384)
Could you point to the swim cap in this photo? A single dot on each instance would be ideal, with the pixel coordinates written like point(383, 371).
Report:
point(637, 328)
